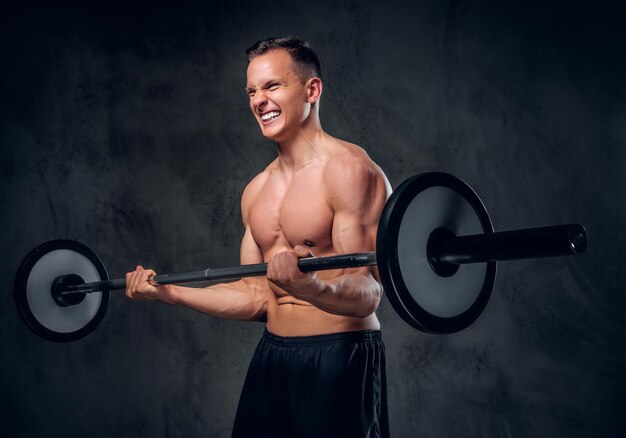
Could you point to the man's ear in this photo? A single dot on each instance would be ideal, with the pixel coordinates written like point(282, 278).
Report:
point(314, 89)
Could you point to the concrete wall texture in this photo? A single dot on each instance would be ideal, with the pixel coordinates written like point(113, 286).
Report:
point(127, 128)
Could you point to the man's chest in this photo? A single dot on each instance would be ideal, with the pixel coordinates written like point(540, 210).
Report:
point(297, 212)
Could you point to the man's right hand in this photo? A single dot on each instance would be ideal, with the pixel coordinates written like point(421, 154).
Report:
point(139, 287)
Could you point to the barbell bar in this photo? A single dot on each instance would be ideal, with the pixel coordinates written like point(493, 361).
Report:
point(436, 253)
point(451, 252)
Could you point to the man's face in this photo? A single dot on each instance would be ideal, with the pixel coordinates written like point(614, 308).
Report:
point(278, 98)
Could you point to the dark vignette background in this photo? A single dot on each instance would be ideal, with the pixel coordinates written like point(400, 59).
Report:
point(126, 127)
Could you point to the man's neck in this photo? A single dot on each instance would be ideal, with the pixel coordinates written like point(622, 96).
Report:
point(306, 146)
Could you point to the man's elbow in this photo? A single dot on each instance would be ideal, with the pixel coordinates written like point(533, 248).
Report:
point(259, 315)
point(258, 306)
point(250, 313)
point(370, 305)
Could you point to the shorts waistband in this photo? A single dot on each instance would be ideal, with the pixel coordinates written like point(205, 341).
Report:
point(355, 336)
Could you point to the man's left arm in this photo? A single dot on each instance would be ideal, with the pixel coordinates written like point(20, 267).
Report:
point(357, 191)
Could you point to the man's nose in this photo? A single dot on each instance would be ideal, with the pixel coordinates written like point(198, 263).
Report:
point(259, 99)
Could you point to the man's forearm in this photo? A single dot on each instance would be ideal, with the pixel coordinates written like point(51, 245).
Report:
point(356, 295)
point(240, 300)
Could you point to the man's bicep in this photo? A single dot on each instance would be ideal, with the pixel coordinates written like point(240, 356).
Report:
point(358, 196)
point(358, 204)
point(352, 234)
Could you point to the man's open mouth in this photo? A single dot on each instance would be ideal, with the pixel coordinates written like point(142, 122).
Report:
point(268, 117)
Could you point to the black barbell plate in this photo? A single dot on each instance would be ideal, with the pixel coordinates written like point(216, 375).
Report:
point(33, 297)
point(425, 300)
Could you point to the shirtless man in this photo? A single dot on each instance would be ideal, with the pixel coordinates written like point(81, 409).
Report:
point(319, 369)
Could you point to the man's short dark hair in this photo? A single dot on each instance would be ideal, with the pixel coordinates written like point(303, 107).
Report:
point(304, 58)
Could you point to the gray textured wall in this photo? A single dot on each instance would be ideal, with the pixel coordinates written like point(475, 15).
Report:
point(126, 128)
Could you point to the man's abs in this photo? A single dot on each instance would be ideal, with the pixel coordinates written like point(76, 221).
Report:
point(288, 316)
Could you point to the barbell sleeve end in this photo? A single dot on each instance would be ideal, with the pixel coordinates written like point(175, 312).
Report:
point(559, 240)
point(578, 238)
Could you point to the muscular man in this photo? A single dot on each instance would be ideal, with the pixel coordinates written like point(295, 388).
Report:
point(319, 369)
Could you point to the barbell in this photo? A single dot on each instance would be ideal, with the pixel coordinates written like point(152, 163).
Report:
point(436, 252)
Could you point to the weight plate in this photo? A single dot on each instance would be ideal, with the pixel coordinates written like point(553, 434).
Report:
point(33, 286)
point(424, 299)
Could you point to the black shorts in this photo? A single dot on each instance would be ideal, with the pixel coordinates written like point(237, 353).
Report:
point(315, 386)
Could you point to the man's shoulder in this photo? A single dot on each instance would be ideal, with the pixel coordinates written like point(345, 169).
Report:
point(352, 177)
point(350, 163)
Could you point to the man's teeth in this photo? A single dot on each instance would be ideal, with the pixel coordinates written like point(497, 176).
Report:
point(269, 116)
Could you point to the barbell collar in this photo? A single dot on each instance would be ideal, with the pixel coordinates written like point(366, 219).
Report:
point(529, 243)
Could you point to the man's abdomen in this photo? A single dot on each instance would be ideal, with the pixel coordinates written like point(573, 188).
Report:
point(291, 317)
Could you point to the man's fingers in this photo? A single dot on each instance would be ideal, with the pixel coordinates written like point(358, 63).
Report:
point(133, 282)
point(129, 283)
point(136, 278)
point(141, 279)
point(283, 267)
point(150, 273)
point(137, 281)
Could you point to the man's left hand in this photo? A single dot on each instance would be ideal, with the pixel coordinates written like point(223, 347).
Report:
point(283, 271)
